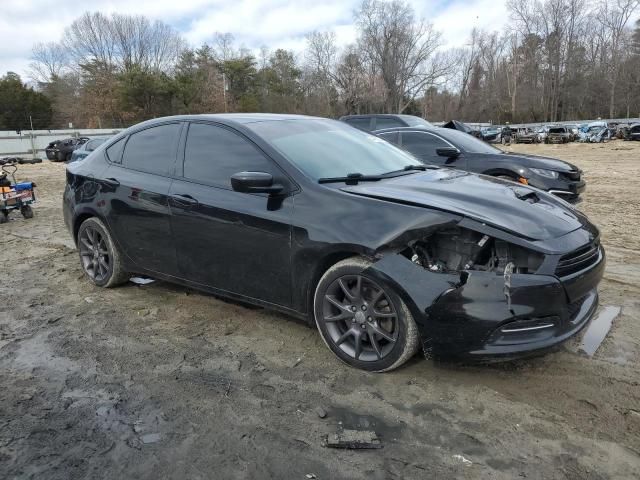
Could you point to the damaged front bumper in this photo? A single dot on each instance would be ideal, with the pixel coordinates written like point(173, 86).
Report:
point(488, 315)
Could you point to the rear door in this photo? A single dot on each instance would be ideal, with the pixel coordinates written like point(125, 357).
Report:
point(228, 240)
point(424, 145)
point(136, 188)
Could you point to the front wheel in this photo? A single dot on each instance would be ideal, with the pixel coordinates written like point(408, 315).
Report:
point(363, 321)
point(99, 256)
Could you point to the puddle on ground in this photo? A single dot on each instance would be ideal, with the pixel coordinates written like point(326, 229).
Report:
point(598, 329)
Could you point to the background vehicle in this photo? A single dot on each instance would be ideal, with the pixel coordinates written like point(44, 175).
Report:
point(573, 132)
point(491, 134)
point(383, 254)
point(449, 148)
point(61, 150)
point(557, 134)
point(368, 123)
point(634, 132)
point(525, 135)
point(86, 148)
point(462, 127)
point(542, 133)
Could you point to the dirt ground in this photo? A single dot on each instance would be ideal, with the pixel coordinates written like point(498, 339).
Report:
point(158, 381)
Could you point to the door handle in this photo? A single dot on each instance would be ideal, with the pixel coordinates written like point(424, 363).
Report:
point(184, 200)
point(113, 182)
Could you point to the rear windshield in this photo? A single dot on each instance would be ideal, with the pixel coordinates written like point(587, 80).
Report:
point(557, 130)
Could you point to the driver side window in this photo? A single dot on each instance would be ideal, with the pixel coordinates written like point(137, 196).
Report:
point(213, 154)
point(422, 144)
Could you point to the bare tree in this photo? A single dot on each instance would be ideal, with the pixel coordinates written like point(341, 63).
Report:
point(399, 48)
point(123, 42)
point(49, 61)
point(614, 17)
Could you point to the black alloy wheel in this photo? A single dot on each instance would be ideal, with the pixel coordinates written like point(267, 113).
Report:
point(363, 321)
point(99, 256)
point(360, 318)
point(95, 256)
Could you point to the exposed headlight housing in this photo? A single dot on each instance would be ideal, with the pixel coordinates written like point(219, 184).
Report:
point(545, 173)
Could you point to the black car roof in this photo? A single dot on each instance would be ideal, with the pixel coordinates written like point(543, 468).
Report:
point(399, 129)
point(232, 118)
point(379, 115)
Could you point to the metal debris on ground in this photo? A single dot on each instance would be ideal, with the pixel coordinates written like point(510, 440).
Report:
point(353, 439)
point(322, 413)
point(598, 330)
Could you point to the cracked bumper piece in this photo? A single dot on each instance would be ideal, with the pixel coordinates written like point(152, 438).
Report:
point(470, 315)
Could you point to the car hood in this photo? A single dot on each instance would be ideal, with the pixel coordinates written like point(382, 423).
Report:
point(518, 209)
point(537, 161)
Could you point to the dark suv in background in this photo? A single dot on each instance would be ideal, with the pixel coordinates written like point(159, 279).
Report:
point(61, 150)
point(369, 123)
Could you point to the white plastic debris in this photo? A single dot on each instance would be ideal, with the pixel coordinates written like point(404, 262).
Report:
point(141, 280)
point(460, 458)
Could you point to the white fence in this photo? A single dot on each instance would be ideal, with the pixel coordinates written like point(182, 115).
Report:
point(27, 143)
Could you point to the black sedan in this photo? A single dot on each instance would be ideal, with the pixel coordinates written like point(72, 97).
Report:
point(455, 149)
point(325, 222)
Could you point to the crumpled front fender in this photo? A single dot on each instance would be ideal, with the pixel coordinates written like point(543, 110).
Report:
point(458, 311)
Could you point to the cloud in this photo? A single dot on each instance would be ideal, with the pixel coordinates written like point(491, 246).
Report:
point(254, 23)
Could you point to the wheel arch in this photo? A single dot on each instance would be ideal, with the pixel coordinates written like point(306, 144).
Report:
point(494, 172)
point(80, 217)
point(322, 265)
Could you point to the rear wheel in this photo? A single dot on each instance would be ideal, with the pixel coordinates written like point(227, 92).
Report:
point(4, 216)
point(363, 321)
point(99, 257)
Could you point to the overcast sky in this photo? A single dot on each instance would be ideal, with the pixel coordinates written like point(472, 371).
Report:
point(254, 23)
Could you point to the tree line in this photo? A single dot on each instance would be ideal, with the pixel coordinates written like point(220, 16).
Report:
point(554, 60)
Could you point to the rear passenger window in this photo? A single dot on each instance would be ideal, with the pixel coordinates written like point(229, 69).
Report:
point(114, 152)
point(360, 123)
point(213, 154)
point(391, 137)
point(387, 123)
point(152, 150)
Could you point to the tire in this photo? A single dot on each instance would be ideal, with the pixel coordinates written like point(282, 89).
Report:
point(4, 216)
point(68, 157)
point(60, 157)
point(398, 339)
point(27, 211)
point(100, 259)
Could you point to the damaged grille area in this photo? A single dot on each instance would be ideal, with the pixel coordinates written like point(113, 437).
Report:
point(457, 249)
point(578, 260)
point(573, 175)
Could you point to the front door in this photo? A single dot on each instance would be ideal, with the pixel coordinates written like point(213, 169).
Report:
point(424, 145)
point(228, 240)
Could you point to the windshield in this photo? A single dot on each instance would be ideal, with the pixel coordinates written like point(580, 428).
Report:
point(327, 148)
point(465, 142)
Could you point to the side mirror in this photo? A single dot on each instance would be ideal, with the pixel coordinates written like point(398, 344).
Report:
point(255, 182)
point(449, 152)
